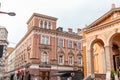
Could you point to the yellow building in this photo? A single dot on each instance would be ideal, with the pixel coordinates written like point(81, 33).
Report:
point(101, 44)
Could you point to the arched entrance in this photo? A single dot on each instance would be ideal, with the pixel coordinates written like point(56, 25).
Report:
point(98, 57)
point(115, 43)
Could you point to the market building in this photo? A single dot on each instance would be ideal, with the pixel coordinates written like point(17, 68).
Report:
point(101, 45)
point(46, 49)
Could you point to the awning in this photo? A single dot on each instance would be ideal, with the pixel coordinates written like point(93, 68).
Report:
point(59, 74)
point(62, 74)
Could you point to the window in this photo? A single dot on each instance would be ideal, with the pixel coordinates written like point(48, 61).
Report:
point(44, 58)
point(49, 25)
point(79, 46)
point(79, 60)
point(45, 25)
point(61, 59)
point(70, 60)
point(45, 40)
point(41, 24)
point(70, 44)
point(60, 43)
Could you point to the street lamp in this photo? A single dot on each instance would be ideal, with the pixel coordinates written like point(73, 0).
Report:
point(9, 13)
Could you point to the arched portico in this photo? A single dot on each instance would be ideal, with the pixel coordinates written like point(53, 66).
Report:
point(97, 57)
point(104, 57)
point(101, 45)
point(114, 42)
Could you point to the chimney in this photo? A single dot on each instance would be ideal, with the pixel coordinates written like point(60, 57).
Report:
point(70, 30)
point(113, 6)
point(78, 30)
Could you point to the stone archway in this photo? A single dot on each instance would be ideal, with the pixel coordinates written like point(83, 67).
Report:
point(98, 57)
point(115, 52)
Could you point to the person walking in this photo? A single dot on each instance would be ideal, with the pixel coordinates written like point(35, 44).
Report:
point(28, 76)
point(15, 77)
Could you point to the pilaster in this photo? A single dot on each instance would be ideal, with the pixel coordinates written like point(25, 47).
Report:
point(90, 66)
point(109, 60)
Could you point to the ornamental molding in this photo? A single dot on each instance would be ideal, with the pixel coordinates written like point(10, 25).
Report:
point(101, 27)
point(60, 51)
point(45, 47)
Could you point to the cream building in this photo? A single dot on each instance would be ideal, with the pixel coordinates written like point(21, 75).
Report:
point(11, 62)
point(101, 44)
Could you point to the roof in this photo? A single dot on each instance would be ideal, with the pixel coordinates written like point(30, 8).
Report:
point(41, 15)
point(110, 12)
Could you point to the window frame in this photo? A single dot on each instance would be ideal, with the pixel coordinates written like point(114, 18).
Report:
point(45, 39)
point(79, 46)
point(61, 60)
point(61, 44)
point(49, 25)
point(70, 44)
point(45, 58)
point(79, 60)
point(41, 23)
point(71, 60)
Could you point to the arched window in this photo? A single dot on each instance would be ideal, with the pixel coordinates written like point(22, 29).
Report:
point(71, 59)
point(79, 60)
point(61, 59)
point(45, 25)
point(44, 57)
point(41, 24)
point(49, 25)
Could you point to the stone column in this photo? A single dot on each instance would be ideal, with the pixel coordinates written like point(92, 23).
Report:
point(109, 60)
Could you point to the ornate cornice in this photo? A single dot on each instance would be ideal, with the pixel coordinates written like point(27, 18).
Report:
point(42, 16)
point(58, 33)
point(96, 26)
point(49, 31)
point(102, 26)
point(103, 17)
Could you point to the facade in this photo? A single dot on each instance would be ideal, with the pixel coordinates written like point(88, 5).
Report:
point(45, 49)
point(3, 49)
point(9, 62)
point(101, 44)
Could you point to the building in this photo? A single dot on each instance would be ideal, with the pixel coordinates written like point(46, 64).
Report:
point(9, 62)
point(101, 44)
point(46, 49)
point(3, 49)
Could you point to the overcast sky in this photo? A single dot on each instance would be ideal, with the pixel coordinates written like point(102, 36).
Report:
point(70, 13)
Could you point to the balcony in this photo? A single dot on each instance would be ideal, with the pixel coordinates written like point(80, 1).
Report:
point(45, 65)
point(44, 46)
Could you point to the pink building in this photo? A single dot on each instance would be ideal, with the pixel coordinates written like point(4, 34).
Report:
point(45, 49)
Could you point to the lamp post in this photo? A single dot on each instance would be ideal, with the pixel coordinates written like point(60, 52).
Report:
point(9, 13)
point(2, 59)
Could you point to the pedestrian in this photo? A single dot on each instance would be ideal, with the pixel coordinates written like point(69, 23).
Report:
point(15, 76)
point(28, 76)
point(22, 76)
